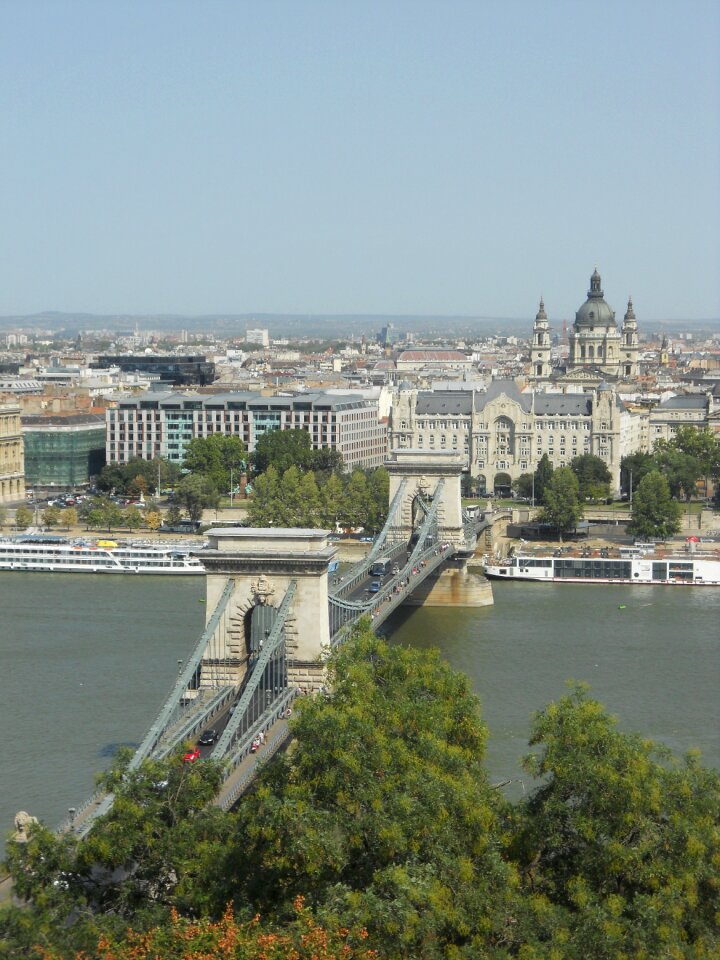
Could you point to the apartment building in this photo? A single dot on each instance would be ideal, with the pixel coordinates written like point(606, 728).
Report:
point(162, 424)
point(12, 461)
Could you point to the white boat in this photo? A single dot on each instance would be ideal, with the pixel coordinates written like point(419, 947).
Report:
point(598, 567)
point(59, 555)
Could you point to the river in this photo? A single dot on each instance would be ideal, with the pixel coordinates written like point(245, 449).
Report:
point(87, 662)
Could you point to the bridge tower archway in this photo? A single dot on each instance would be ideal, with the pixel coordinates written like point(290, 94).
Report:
point(261, 564)
point(419, 473)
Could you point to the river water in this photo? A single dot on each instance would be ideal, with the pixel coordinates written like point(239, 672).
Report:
point(87, 661)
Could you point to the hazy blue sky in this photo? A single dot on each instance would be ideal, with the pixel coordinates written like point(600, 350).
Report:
point(342, 156)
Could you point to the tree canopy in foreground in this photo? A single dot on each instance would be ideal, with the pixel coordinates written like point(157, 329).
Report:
point(378, 830)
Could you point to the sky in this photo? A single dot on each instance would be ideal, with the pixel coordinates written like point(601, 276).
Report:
point(358, 156)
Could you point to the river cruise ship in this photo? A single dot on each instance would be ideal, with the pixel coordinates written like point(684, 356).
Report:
point(58, 555)
point(676, 570)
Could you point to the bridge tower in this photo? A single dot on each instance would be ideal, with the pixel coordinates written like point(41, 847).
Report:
point(422, 471)
point(261, 564)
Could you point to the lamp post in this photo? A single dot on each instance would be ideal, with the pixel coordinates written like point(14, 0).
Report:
point(231, 487)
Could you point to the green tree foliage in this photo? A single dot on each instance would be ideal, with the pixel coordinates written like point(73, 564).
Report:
point(283, 449)
point(524, 486)
point(681, 470)
point(69, 517)
point(619, 838)
point(635, 466)
point(132, 518)
point(120, 476)
point(23, 518)
point(562, 508)
point(142, 858)
point(381, 816)
point(543, 475)
point(173, 515)
point(385, 812)
point(196, 493)
point(593, 476)
point(214, 458)
point(294, 499)
point(654, 513)
point(51, 516)
point(101, 513)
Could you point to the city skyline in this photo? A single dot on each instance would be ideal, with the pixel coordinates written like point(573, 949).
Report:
point(383, 161)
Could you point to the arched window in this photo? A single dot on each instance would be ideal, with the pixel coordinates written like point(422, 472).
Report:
point(504, 436)
point(591, 352)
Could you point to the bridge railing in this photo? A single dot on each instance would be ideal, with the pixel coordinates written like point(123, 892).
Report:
point(267, 683)
point(395, 592)
point(186, 677)
point(190, 726)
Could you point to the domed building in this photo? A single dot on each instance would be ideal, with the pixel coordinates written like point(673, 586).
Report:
point(596, 343)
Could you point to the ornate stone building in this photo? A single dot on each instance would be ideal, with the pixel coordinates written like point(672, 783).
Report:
point(503, 432)
point(595, 341)
point(12, 468)
point(598, 349)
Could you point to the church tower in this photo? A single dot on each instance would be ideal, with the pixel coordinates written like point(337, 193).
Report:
point(540, 349)
point(630, 346)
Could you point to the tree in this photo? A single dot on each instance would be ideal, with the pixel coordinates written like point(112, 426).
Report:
point(215, 458)
point(562, 508)
point(703, 446)
point(69, 517)
point(356, 506)
point(331, 495)
point(654, 513)
point(139, 860)
point(382, 812)
point(524, 486)
point(283, 449)
point(620, 840)
point(51, 516)
point(264, 509)
point(378, 499)
point(593, 476)
point(23, 518)
point(173, 515)
point(137, 487)
point(543, 473)
point(132, 518)
point(153, 519)
point(681, 470)
point(196, 493)
point(327, 461)
point(634, 467)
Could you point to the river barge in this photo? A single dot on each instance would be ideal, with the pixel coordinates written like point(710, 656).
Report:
point(687, 569)
point(58, 555)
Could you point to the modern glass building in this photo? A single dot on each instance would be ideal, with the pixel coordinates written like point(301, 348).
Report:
point(63, 451)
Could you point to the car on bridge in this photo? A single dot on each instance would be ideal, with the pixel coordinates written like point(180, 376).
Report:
point(208, 737)
point(192, 755)
point(375, 586)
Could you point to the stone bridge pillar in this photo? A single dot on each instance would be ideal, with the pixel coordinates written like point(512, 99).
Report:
point(422, 469)
point(261, 563)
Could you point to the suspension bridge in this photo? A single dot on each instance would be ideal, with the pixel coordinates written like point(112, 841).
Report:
point(275, 613)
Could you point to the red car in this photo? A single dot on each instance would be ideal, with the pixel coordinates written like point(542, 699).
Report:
point(192, 755)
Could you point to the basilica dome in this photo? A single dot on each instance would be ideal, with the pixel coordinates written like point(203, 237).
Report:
point(595, 311)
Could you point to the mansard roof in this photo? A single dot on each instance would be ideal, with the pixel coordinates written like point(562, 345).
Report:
point(567, 404)
point(457, 402)
point(694, 402)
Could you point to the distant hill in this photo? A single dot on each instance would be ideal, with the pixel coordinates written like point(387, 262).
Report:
point(312, 325)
